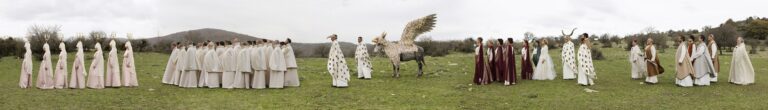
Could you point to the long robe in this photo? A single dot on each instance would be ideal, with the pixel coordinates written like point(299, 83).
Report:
point(653, 65)
point(742, 72)
point(213, 67)
point(637, 62)
point(77, 78)
point(25, 79)
point(569, 61)
point(45, 72)
point(129, 67)
point(510, 77)
point(170, 67)
point(364, 67)
point(546, 69)
point(96, 76)
point(526, 68)
point(113, 68)
point(278, 67)
point(337, 66)
point(684, 67)
point(60, 77)
point(292, 69)
point(244, 69)
point(480, 65)
point(501, 64)
point(181, 63)
point(712, 48)
point(259, 65)
point(586, 75)
point(188, 78)
point(702, 64)
point(203, 74)
point(230, 58)
point(492, 62)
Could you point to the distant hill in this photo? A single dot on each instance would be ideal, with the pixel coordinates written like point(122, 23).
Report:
point(212, 34)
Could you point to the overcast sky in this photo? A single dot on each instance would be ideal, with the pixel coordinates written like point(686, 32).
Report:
point(313, 20)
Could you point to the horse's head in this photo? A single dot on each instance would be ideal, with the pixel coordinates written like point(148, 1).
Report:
point(378, 42)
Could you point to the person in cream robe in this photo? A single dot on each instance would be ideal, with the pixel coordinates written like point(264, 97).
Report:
point(586, 75)
point(684, 67)
point(25, 79)
point(96, 76)
point(60, 78)
point(277, 66)
point(244, 69)
point(364, 67)
point(337, 65)
point(170, 67)
point(129, 67)
point(180, 65)
point(213, 66)
point(230, 66)
point(637, 62)
point(292, 72)
point(113, 67)
point(188, 78)
point(45, 72)
point(203, 73)
point(742, 72)
point(545, 70)
point(702, 63)
point(77, 78)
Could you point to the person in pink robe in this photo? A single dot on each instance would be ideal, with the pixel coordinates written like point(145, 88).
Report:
point(25, 79)
point(45, 73)
point(77, 78)
point(96, 76)
point(60, 78)
point(129, 67)
point(113, 67)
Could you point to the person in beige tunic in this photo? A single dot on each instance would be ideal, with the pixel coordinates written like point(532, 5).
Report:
point(25, 79)
point(129, 67)
point(77, 78)
point(113, 67)
point(45, 73)
point(96, 76)
point(684, 67)
point(60, 78)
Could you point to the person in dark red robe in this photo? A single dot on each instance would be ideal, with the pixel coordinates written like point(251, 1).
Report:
point(510, 77)
point(480, 67)
point(525, 65)
point(501, 65)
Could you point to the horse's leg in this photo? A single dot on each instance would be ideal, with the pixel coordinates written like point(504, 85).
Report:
point(421, 63)
point(397, 70)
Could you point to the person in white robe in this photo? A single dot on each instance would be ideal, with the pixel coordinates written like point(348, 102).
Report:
point(230, 66)
point(188, 78)
point(45, 72)
point(292, 69)
point(636, 60)
point(586, 75)
point(569, 59)
point(259, 65)
point(96, 73)
point(545, 69)
point(337, 65)
point(244, 69)
point(181, 63)
point(364, 67)
point(202, 74)
point(129, 67)
point(277, 66)
point(742, 72)
point(712, 48)
point(113, 67)
point(702, 63)
point(170, 67)
point(684, 76)
point(60, 77)
point(213, 66)
point(77, 78)
point(25, 79)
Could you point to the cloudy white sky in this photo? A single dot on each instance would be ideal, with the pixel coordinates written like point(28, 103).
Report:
point(313, 20)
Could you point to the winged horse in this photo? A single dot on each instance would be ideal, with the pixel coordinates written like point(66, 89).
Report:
point(405, 49)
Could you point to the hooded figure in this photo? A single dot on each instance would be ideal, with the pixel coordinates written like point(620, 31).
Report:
point(170, 67)
point(77, 78)
point(60, 78)
point(292, 72)
point(113, 67)
point(742, 72)
point(213, 67)
point(45, 73)
point(129, 67)
point(25, 79)
point(96, 76)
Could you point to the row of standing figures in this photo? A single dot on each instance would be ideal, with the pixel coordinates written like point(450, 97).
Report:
point(50, 77)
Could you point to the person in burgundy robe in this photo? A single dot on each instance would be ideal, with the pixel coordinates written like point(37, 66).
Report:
point(501, 64)
point(510, 77)
point(525, 65)
point(492, 59)
point(480, 66)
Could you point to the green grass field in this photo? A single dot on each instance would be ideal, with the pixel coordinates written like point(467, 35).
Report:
point(446, 85)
